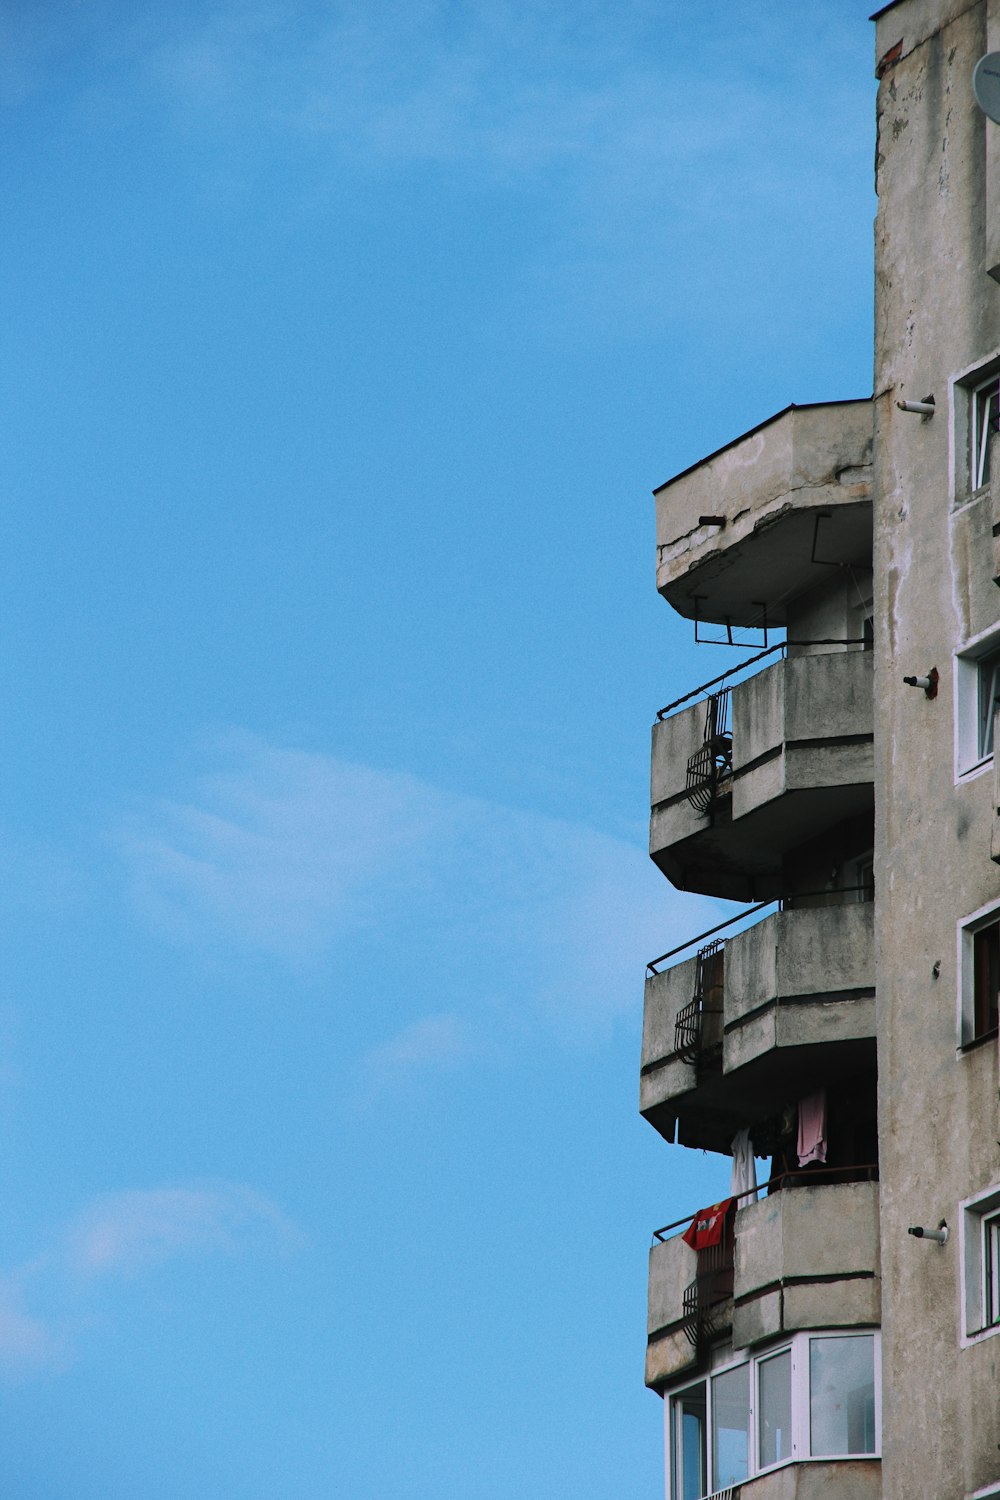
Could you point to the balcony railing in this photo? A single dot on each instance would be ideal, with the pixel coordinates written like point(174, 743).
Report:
point(780, 648)
point(801, 1177)
point(863, 892)
point(702, 1306)
point(698, 1025)
point(710, 768)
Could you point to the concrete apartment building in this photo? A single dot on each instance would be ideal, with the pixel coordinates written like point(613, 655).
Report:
point(804, 1341)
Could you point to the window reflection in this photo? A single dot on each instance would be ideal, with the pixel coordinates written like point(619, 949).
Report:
point(841, 1396)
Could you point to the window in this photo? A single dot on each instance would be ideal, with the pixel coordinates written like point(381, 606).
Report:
point(774, 1403)
point(731, 1426)
point(988, 684)
point(979, 968)
point(841, 1397)
point(815, 1397)
point(984, 421)
point(980, 1263)
point(977, 688)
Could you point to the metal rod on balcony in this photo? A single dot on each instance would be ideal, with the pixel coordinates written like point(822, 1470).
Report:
point(750, 661)
point(869, 1167)
point(840, 890)
point(651, 968)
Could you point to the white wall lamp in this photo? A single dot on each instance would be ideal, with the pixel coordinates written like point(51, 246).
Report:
point(928, 683)
point(938, 1235)
point(924, 408)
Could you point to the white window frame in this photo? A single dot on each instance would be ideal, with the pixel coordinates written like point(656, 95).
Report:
point(965, 427)
point(968, 926)
point(984, 416)
point(978, 1224)
point(798, 1346)
point(969, 759)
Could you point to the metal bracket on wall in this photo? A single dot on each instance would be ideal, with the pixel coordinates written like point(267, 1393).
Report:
point(729, 640)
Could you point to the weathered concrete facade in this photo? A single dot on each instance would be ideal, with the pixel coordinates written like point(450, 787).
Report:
point(937, 327)
point(805, 1342)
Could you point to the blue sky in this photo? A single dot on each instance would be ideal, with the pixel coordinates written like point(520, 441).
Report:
point(345, 343)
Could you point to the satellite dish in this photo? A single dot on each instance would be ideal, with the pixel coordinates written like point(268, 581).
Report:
point(986, 85)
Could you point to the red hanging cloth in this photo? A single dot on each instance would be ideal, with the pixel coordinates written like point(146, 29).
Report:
point(707, 1226)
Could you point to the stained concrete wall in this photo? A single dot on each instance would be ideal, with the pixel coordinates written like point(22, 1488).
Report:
point(937, 318)
point(807, 1258)
point(666, 993)
point(856, 1479)
point(806, 459)
point(777, 972)
point(803, 700)
point(672, 1266)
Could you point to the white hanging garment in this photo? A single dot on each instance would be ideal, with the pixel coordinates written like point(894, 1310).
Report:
point(744, 1180)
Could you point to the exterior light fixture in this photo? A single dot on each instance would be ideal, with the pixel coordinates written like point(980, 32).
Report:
point(938, 1235)
point(928, 683)
point(924, 408)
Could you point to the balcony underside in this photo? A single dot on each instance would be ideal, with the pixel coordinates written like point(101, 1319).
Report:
point(748, 583)
point(718, 1104)
point(742, 859)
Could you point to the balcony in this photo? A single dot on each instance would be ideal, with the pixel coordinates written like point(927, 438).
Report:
point(780, 1009)
point(807, 1258)
point(744, 775)
point(748, 529)
point(804, 1257)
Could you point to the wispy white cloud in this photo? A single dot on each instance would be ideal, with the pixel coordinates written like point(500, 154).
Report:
point(488, 918)
point(627, 118)
point(128, 1232)
point(431, 1044)
point(29, 1345)
point(47, 1303)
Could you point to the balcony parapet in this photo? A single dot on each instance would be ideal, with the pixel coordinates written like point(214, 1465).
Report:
point(802, 1257)
point(759, 522)
point(807, 1258)
point(737, 783)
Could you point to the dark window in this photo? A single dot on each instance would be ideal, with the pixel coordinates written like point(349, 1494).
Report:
point(986, 980)
point(989, 692)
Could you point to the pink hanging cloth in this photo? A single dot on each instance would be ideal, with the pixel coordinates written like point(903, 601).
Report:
point(812, 1128)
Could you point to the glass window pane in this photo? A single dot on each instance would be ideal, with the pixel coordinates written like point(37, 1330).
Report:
point(991, 1271)
point(984, 424)
point(841, 1396)
point(691, 1476)
point(775, 1407)
point(731, 1427)
point(989, 689)
point(986, 979)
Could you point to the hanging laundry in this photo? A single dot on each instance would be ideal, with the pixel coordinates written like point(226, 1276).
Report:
point(743, 1183)
point(707, 1226)
point(812, 1128)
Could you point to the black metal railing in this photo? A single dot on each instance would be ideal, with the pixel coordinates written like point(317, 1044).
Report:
point(698, 1025)
point(704, 1299)
point(710, 768)
point(787, 1181)
point(779, 646)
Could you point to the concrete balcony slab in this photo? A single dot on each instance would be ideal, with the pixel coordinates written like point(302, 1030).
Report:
point(801, 761)
point(794, 495)
point(807, 1257)
point(797, 1000)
